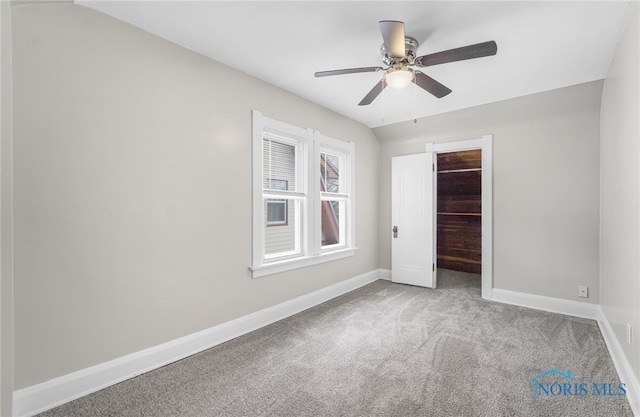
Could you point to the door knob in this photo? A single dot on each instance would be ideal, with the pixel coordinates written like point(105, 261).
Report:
point(395, 231)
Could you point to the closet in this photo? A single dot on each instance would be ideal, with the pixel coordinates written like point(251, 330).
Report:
point(459, 218)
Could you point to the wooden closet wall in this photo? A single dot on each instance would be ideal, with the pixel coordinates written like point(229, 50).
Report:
point(459, 243)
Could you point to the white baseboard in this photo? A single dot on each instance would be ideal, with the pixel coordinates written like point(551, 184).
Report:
point(41, 397)
point(385, 274)
point(553, 305)
point(621, 363)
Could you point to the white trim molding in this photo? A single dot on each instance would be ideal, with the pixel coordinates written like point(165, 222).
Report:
point(620, 361)
point(550, 304)
point(291, 264)
point(44, 396)
point(385, 274)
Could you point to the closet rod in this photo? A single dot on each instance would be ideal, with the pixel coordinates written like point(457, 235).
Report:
point(460, 170)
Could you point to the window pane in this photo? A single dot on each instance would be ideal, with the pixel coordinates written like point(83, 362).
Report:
point(276, 212)
point(275, 184)
point(330, 173)
point(283, 238)
point(278, 165)
point(333, 222)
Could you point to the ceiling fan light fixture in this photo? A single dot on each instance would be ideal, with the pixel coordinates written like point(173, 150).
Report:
point(399, 78)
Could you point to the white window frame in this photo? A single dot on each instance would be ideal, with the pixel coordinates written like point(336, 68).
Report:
point(311, 250)
point(330, 145)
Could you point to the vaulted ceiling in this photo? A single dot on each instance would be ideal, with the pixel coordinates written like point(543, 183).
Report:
point(542, 46)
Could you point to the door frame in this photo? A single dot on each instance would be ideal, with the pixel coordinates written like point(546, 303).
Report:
point(485, 144)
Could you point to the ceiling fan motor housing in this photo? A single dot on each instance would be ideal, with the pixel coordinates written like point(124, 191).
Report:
point(410, 46)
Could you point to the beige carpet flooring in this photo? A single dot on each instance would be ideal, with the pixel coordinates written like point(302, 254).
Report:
point(384, 350)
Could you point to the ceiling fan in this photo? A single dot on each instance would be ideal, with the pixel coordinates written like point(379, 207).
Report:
point(399, 53)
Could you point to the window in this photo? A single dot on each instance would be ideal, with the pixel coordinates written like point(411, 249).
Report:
point(276, 212)
point(302, 197)
point(276, 208)
point(333, 199)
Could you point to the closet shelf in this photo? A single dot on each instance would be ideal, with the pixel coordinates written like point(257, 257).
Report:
point(445, 213)
point(456, 171)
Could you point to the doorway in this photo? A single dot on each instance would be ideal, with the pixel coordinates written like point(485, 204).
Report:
point(414, 214)
point(459, 211)
point(485, 146)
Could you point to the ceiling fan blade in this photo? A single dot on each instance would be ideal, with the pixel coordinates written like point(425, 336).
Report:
point(375, 91)
point(458, 54)
point(432, 86)
point(393, 36)
point(347, 71)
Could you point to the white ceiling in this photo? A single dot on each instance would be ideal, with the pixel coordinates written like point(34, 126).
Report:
point(541, 46)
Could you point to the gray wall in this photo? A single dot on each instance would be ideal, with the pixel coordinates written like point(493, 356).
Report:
point(545, 185)
point(122, 222)
point(620, 183)
point(6, 209)
point(125, 234)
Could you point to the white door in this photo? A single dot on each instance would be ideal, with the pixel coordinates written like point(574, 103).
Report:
point(412, 215)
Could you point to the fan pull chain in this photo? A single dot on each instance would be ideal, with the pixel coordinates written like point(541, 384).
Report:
point(415, 111)
point(384, 100)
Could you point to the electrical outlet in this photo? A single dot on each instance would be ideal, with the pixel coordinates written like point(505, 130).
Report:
point(583, 291)
point(629, 334)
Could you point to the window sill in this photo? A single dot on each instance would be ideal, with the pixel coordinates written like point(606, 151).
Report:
point(290, 264)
